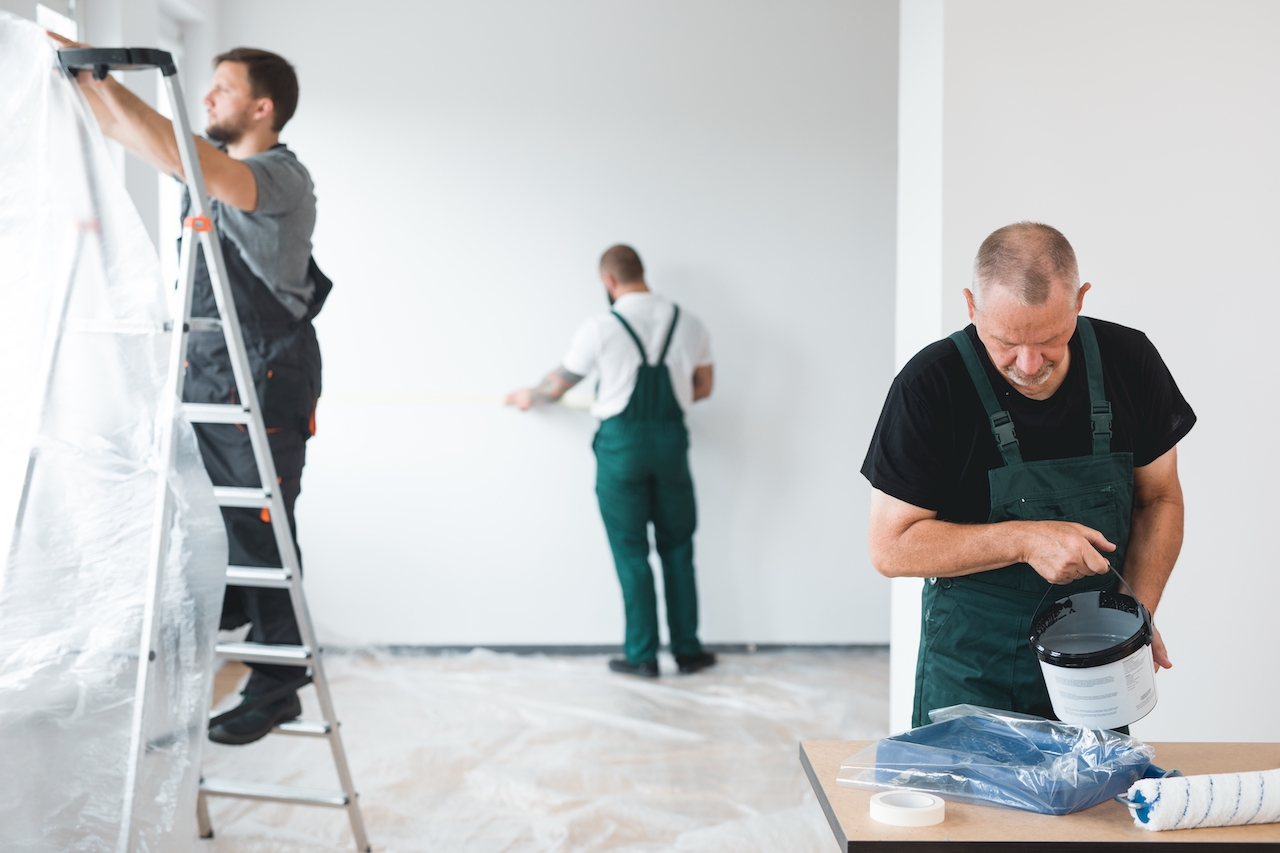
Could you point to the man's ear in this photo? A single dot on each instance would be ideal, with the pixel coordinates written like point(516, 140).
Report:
point(968, 299)
point(1084, 288)
point(265, 108)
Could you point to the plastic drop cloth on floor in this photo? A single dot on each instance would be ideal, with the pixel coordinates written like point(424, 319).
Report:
point(497, 752)
point(82, 303)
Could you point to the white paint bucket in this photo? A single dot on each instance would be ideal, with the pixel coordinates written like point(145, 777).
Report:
point(1095, 654)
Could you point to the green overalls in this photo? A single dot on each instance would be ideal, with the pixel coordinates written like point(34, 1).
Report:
point(642, 475)
point(973, 636)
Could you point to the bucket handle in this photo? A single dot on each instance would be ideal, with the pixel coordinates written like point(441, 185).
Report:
point(1147, 619)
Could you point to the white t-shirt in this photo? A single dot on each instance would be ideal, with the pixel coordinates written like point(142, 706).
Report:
point(602, 344)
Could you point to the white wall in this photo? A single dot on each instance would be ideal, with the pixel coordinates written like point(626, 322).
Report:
point(472, 160)
point(1146, 132)
point(24, 8)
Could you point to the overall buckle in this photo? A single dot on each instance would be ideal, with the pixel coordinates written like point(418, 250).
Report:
point(1002, 427)
point(1101, 415)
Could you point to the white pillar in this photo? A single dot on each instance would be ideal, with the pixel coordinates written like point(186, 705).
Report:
point(918, 318)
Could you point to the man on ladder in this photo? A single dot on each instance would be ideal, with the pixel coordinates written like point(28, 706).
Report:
point(654, 361)
point(263, 205)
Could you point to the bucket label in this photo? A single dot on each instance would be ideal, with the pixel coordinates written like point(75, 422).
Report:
point(1082, 682)
point(1107, 696)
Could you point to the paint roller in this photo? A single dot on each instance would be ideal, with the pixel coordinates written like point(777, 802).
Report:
point(1219, 799)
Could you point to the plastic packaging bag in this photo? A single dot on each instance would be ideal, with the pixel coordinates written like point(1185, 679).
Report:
point(84, 353)
point(979, 755)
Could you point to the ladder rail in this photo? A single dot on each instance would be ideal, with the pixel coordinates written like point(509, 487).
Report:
point(159, 551)
point(256, 427)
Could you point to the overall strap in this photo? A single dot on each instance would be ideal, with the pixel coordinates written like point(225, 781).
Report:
point(1100, 407)
point(671, 331)
point(644, 359)
point(1001, 423)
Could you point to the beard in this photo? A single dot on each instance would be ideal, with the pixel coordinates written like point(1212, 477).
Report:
point(1041, 376)
point(226, 132)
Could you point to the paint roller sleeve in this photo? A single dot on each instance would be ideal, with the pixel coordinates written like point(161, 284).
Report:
point(1223, 799)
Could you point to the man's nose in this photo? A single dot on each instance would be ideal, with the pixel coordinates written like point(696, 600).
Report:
point(1030, 361)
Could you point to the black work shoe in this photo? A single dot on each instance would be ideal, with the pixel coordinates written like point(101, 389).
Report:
point(648, 669)
point(256, 723)
point(694, 663)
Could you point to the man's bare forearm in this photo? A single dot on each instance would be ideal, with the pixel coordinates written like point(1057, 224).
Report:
point(126, 118)
point(1155, 541)
point(136, 125)
point(554, 385)
point(909, 541)
point(930, 548)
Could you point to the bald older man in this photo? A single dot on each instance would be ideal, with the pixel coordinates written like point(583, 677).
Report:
point(1035, 447)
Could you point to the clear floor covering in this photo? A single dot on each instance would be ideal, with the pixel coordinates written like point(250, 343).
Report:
point(498, 752)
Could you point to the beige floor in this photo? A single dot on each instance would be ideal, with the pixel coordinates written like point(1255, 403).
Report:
point(493, 752)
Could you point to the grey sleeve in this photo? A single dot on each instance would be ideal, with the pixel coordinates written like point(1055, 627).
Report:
point(282, 182)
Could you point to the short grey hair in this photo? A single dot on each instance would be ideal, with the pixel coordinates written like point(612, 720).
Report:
point(1028, 257)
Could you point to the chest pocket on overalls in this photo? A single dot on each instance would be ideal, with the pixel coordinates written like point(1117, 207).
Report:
point(1092, 506)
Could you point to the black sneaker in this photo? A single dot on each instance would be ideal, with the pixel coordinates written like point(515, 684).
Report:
point(694, 663)
point(255, 724)
point(648, 669)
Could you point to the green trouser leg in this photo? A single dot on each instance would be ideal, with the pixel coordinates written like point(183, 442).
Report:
point(642, 475)
point(675, 516)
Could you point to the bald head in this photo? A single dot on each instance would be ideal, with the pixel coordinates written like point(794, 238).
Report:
point(1029, 258)
point(623, 263)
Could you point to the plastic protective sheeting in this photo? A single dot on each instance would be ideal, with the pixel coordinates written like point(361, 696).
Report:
point(979, 755)
point(484, 752)
point(83, 356)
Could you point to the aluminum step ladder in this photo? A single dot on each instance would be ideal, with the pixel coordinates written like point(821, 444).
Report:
point(198, 227)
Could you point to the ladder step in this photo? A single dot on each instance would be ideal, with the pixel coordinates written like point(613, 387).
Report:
point(306, 728)
point(215, 413)
point(236, 496)
point(204, 324)
point(256, 577)
point(273, 793)
point(263, 653)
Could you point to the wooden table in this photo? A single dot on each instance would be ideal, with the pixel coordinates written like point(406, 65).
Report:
point(973, 828)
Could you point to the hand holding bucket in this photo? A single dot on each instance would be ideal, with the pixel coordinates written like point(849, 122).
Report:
point(1096, 657)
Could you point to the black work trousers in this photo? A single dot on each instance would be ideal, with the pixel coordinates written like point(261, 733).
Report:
point(228, 457)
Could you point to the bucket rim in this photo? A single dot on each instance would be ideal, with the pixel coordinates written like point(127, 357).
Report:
point(1049, 616)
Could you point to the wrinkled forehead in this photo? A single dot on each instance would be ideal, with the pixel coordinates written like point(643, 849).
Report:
point(1007, 318)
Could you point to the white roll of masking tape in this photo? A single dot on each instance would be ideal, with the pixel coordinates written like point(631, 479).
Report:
point(907, 808)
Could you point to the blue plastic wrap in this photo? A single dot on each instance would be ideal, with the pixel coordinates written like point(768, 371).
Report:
point(979, 755)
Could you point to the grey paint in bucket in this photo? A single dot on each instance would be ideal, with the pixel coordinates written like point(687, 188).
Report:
point(1095, 654)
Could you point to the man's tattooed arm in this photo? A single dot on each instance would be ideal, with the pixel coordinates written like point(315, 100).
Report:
point(552, 388)
point(549, 390)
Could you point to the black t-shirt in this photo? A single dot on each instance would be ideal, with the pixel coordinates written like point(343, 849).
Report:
point(933, 445)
